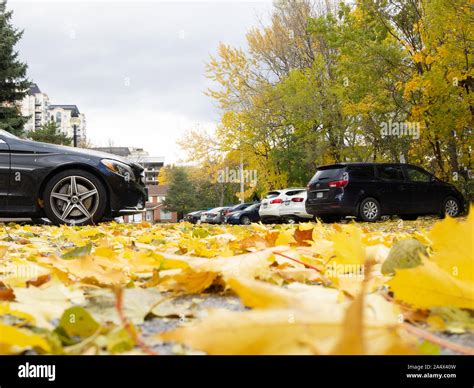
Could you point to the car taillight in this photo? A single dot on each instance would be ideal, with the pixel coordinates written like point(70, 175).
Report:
point(297, 199)
point(340, 183)
point(277, 200)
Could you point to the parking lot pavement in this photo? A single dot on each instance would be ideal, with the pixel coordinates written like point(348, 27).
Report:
point(19, 220)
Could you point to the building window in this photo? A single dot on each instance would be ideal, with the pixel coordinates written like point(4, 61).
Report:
point(58, 118)
point(149, 215)
point(165, 215)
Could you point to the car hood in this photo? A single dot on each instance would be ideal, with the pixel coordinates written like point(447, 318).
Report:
point(55, 148)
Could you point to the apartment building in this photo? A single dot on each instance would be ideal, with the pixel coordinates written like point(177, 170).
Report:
point(66, 117)
point(36, 105)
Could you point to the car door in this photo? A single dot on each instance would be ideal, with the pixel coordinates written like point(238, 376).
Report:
point(23, 183)
point(393, 190)
point(422, 190)
point(4, 172)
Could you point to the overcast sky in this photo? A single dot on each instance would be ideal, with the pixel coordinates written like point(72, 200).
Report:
point(136, 69)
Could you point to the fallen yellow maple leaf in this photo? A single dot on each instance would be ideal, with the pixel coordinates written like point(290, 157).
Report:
point(428, 285)
point(14, 340)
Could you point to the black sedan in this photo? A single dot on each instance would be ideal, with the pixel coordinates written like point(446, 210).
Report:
point(245, 216)
point(66, 185)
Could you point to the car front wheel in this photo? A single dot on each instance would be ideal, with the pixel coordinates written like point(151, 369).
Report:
point(245, 220)
point(75, 197)
point(451, 207)
point(369, 210)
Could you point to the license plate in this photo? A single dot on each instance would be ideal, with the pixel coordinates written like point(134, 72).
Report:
point(286, 203)
point(265, 205)
point(319, 195)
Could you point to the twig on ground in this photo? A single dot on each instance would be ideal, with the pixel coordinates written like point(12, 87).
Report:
point(420, 333)
point(127, 325)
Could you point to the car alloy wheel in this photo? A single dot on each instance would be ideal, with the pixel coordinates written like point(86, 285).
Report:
point(74, 199)
point(369, 210)
point(245, 220)
point(451, 207)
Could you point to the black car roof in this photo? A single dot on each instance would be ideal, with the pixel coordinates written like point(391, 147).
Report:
point(345, 164)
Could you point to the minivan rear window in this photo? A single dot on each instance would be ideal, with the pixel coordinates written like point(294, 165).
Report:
point(327, 173)
point(361, 172)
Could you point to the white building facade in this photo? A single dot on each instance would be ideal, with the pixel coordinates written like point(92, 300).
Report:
point(36, 105)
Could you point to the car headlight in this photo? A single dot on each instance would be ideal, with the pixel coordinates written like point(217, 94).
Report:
point(119, 168)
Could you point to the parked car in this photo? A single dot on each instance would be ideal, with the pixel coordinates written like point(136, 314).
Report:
point(194, 217)
point(239, 206)
point(66, 185)
point(214, 216)
point(370, 190)
point(293, 207)
point(244, 216)
point(270, 206)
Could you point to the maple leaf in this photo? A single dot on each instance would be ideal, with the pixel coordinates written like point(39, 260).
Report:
point(445, 279)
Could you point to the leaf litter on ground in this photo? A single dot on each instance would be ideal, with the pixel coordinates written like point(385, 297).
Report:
point(390, 287)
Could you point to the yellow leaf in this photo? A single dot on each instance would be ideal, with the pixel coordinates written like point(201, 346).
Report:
point(453, 248)
point(428, 285)
point(348, 246)
point(14, 340)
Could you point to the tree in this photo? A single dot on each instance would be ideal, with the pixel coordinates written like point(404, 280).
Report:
point(13, 82)
point(50, 133)
point(322, 80)
point(181, 193)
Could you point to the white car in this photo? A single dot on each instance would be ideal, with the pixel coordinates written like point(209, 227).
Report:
point(293, 207)
point(272, 203)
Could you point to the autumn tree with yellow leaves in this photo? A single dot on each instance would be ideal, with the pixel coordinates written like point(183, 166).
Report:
point(320, 81)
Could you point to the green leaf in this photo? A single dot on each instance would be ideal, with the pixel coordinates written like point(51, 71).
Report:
point(404, 254)
point(120, 340)
point(76, 321)
point(77, 252)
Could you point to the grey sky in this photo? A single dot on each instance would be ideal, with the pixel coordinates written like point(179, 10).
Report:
point(136, 69)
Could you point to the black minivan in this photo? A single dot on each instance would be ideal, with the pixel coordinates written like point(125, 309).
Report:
point(370, 190)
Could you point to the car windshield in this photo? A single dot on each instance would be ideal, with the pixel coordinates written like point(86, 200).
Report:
point(240, 206)
point(7, 134)
point(252, 207)
point(272, 194)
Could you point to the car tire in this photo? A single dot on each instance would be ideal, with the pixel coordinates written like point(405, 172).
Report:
point(451, 207)
point(75, 197)
point(329, 219)
point(244, 220)
point(409, 217)
point(369, 210)
point(290, 220)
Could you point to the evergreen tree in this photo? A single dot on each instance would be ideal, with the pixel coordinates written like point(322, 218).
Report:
point(13, 82)
point(50, 133)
